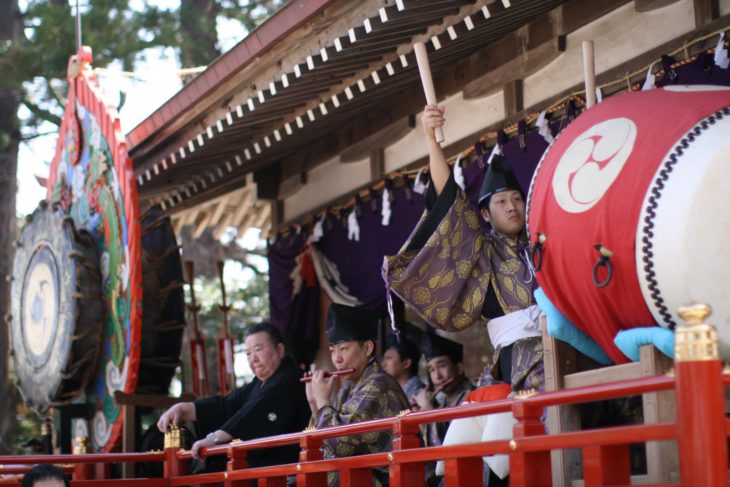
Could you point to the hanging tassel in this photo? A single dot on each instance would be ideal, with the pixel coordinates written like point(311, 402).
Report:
point(373, 200)
point(569, 114)
point(543, 126)
point(667, 62)
point(407, 187)
point(358, 202)
point(522, 134)
point(650, 81)
point(420, 183)
point(599, 95)
point(353, 227)
point(479, 149)
point(385, 212)
point(721, 57)
point(704, 63)
point(502, 139)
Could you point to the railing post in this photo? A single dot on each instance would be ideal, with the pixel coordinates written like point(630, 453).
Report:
point(311, 450)
point(464, 471)
point(236, 461)
point(606, 465)
point(701, 433)
point(405, 436)
point(82, 471)
point(528, 469)
point(173, 443)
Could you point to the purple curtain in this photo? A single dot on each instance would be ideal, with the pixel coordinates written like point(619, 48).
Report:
point(359, 262)
point(296, 316)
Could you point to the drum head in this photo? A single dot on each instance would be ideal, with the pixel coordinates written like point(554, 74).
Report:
point(91, 179)
point(56, 310)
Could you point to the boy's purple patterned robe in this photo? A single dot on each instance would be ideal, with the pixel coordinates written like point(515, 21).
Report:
point(446, 277)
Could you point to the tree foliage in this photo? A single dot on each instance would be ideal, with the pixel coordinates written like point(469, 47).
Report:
point(36, 39)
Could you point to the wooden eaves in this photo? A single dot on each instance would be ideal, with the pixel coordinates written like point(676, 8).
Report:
point(332, 79)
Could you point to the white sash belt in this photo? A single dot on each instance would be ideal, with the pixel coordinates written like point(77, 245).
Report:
point(511, 327)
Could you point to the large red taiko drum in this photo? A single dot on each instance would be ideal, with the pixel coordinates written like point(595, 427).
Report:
point(628, 212)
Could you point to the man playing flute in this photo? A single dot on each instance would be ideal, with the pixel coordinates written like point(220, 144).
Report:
point(368, 393)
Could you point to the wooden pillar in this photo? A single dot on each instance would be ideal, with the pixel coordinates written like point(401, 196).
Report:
point(514, 99)
point(405, 436)
point(701, 431)
point(528, 469)
point(606, 465)
point(706, 11)
point(356, 477)
point(237, 461)
point(128, 437)
point(311, 450)
point(377, 164)
point(463, 471)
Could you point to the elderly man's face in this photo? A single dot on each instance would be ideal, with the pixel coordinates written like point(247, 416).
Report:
point(263, 356)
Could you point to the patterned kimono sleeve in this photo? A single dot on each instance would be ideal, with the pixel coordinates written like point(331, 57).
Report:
point(446, 280)
point(370, 401)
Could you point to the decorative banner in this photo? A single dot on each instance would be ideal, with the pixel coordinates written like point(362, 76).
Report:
point(93, 181)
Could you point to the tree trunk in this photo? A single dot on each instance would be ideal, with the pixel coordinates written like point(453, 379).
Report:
point(199, 44)
point(10, 30)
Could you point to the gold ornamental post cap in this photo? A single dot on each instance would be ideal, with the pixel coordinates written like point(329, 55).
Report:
point(694, 314)
point(82, 445)
point(696, 340)
point(174, 437)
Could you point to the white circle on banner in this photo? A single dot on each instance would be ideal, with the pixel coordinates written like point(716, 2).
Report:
point(592, 163)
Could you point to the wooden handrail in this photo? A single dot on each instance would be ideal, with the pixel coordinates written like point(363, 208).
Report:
point(600, 444)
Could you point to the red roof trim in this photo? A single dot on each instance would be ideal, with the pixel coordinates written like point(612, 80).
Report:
point(255, 44)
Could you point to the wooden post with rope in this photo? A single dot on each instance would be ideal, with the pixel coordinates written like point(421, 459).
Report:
point(198, 365)
point(226, 374)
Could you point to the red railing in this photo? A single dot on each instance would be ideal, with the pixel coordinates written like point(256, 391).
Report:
point(700, 431)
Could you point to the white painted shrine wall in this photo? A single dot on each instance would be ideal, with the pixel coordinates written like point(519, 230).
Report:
point(461, 118)
point(325, 183)
point(619, 37)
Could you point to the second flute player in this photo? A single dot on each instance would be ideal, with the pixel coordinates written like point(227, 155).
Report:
point(367, 393)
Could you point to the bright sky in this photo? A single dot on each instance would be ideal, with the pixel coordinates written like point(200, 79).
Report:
point(154, 83)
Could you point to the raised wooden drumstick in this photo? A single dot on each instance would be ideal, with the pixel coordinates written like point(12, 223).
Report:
point(589, 73)
point(425, 70)
point(308, 378)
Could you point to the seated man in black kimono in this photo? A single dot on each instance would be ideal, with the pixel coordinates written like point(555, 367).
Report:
point(272, 404)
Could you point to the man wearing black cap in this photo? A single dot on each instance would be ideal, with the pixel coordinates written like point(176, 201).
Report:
point(449, 384)
point(400, 360)
point(367, 393)
point(454, 275)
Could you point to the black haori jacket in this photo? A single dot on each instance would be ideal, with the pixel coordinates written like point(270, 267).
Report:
point(257, 410)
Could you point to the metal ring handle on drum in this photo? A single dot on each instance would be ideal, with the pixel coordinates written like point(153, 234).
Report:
point(604, 260)
point(537, 250)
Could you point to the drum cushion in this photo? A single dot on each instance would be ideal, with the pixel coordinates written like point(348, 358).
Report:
point(561, 328)
point(630, 341)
